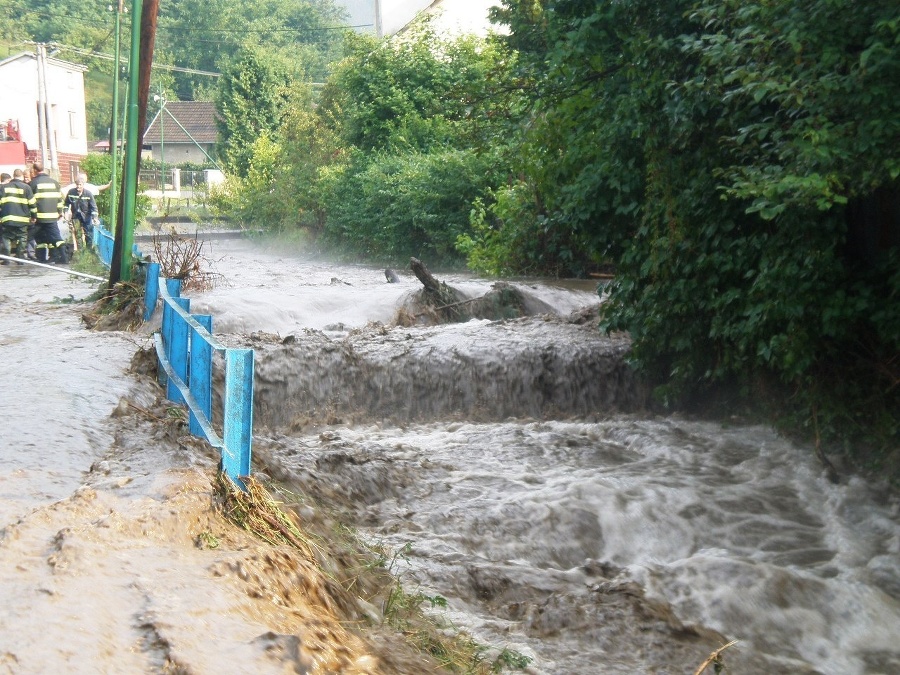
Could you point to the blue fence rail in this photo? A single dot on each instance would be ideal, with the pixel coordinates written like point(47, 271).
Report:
point(187, 353)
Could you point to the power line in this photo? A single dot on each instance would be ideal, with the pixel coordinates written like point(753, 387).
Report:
point(110, 57)
point(173, 29)
point(164, 27)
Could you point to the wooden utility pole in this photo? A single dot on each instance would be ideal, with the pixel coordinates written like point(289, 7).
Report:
point(43, 139)
point(114, 125)
point(143, 39)
point(379, 32)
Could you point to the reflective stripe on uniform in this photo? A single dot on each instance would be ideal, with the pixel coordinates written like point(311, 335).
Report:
point(48, 200)
point(21, 200)
point(16, 195)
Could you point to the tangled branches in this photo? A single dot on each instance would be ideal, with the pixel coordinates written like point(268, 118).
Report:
point(181, 257)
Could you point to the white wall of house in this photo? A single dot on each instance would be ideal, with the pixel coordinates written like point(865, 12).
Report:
point(178, 153)
point(65, 98)
point(458, 17)
point(454, 17)
point(65, 93)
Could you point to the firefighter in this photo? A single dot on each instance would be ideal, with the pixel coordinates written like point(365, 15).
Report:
point(17, 211)
point(49, 244)
point(83, 209)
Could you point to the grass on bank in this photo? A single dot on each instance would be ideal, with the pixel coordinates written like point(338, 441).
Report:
point(260, 513)
point(86, 261)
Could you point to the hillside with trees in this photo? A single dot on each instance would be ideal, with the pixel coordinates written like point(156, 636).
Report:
point(195, 41)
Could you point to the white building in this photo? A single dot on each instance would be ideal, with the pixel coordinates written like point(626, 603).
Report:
point(65, 144)
point(456, 17)
point(452, 16)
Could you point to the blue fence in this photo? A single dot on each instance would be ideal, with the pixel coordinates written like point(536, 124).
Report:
point(103, 240)
point(188, 357)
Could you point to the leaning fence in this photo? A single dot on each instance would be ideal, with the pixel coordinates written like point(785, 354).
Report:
point(190, 359)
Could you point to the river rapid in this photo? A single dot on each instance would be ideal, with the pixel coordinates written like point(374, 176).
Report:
point(510, 467)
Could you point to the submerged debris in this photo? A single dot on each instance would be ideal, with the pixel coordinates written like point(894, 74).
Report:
point(182, 257)
point(257, 512)
point(438, 303)
point(118, 308)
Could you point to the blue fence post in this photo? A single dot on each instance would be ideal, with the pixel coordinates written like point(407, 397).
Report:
point(173, 286)
point(179, 351)
point(201, 373)
point(166, 332)
point(151, 290)
point(238, 422)
point(185, 348)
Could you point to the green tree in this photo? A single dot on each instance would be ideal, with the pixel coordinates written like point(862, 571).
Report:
point(401, 205)
point(310, 149)
point(416, 91)
point(252, 96)
point(720, 152)
point(396, 149)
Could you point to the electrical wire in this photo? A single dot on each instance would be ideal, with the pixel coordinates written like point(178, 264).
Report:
point(110, 57)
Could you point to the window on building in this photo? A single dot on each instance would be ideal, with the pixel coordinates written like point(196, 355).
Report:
point(74, 170)
point(73, 124)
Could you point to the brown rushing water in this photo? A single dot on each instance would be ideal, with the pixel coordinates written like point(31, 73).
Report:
point(503, 457)
point(506, 461)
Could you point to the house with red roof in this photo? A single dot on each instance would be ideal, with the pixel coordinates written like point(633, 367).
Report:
point(183, 131)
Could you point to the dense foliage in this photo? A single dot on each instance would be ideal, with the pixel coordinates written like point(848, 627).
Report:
point(386, 160)
point(251, 99)
point(414, 162)
point(738, 161)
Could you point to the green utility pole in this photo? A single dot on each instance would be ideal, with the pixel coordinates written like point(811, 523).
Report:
point(114, 141)
point(161, 97)
point(132, 144)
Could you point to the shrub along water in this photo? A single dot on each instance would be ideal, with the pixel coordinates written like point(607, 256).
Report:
point(737, 162)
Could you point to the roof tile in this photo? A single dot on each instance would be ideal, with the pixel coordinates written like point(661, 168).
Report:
point(197, 117)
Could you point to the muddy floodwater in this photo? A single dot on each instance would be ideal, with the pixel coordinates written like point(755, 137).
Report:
point(511, 464)
point(508, 465)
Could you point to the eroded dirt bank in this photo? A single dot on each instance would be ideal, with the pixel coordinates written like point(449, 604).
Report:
point(114, 553)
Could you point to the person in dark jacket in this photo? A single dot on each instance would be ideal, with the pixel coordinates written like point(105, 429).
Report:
point(49, 244)
point(82, 209)
point(17, 211)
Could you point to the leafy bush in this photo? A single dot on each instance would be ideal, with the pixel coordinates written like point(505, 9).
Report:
point(508, 236)
point(397, 206)
point(739, 162)
point(98, 167)
point(259, 199)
